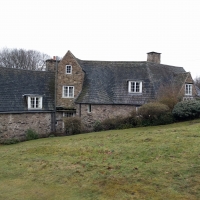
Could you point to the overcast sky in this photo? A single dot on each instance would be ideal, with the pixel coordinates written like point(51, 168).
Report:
point(122, 30)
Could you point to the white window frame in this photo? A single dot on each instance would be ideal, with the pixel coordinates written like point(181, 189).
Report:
point(188, 89)
point(68, 69)
point(133, 87)
point(35, 102)
point(66, 92)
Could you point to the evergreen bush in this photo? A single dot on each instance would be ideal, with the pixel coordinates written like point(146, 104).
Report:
point(98, 126)
point(185, 110)
point(31, 134)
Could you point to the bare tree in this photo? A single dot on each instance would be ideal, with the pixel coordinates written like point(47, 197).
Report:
point(169, 95)
point(197, 81)
point(23, 59)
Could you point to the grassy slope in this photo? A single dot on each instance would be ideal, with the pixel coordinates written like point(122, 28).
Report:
point(160, 162)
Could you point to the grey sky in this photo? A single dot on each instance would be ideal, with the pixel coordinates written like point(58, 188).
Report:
point(106, 29)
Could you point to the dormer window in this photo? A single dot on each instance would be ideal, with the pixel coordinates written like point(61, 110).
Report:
point(34, 102)
point(188, 89)
point(68, 69)
point(135, 86)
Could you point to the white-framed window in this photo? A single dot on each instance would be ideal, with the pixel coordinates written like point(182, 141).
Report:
point(34, 102)
point(68, 69)
point(68, 91)
point(188, 89)
point(135, 86)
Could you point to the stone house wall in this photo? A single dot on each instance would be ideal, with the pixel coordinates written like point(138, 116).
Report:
point(75, 79)
point(102, 112)
point(15, 125)
point(59, 122)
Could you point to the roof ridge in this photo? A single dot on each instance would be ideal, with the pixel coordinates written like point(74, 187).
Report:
point(25, 70)
point(113, 60)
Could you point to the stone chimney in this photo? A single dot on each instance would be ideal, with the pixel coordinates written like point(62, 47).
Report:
point(153, 57)
point(51, 64)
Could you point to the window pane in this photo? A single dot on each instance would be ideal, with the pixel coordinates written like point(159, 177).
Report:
point(190, 89)
point(137, 87)
point(132, 86)
point(32, 102)
point(71, 93)
point(37, 102)
point(186, 89)
point(65, 91)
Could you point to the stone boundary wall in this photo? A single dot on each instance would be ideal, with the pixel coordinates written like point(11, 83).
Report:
point(14, 126)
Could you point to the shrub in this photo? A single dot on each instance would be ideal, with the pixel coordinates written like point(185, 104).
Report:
point(111, 123)
point(10, 141)
point(118, 122)
point(72, 125)
point(31, 134)
point(185, 110)
point(169, 95)
point(98, 126)
point(154, 113)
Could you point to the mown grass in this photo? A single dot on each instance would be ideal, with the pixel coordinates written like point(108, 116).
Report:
point(161, 162)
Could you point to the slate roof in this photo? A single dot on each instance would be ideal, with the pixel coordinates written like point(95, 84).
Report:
point(106, 82)
point(15, 83)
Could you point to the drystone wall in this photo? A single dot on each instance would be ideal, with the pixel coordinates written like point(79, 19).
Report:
point(14, 126)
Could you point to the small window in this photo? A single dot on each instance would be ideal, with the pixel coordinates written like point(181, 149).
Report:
point(89, 108)
point(69, 114)
point(68, 69)
point(34, 102)
point(135, 87)
point(68, 91)
point(188, 89)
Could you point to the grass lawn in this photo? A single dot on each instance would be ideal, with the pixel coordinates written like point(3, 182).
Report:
point(161, 162)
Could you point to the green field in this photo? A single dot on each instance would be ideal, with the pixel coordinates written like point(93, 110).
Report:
point(161, 162)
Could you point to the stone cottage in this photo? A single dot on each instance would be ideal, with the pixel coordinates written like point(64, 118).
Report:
point(26, 102)
point(96, 90)
point(91, 90)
